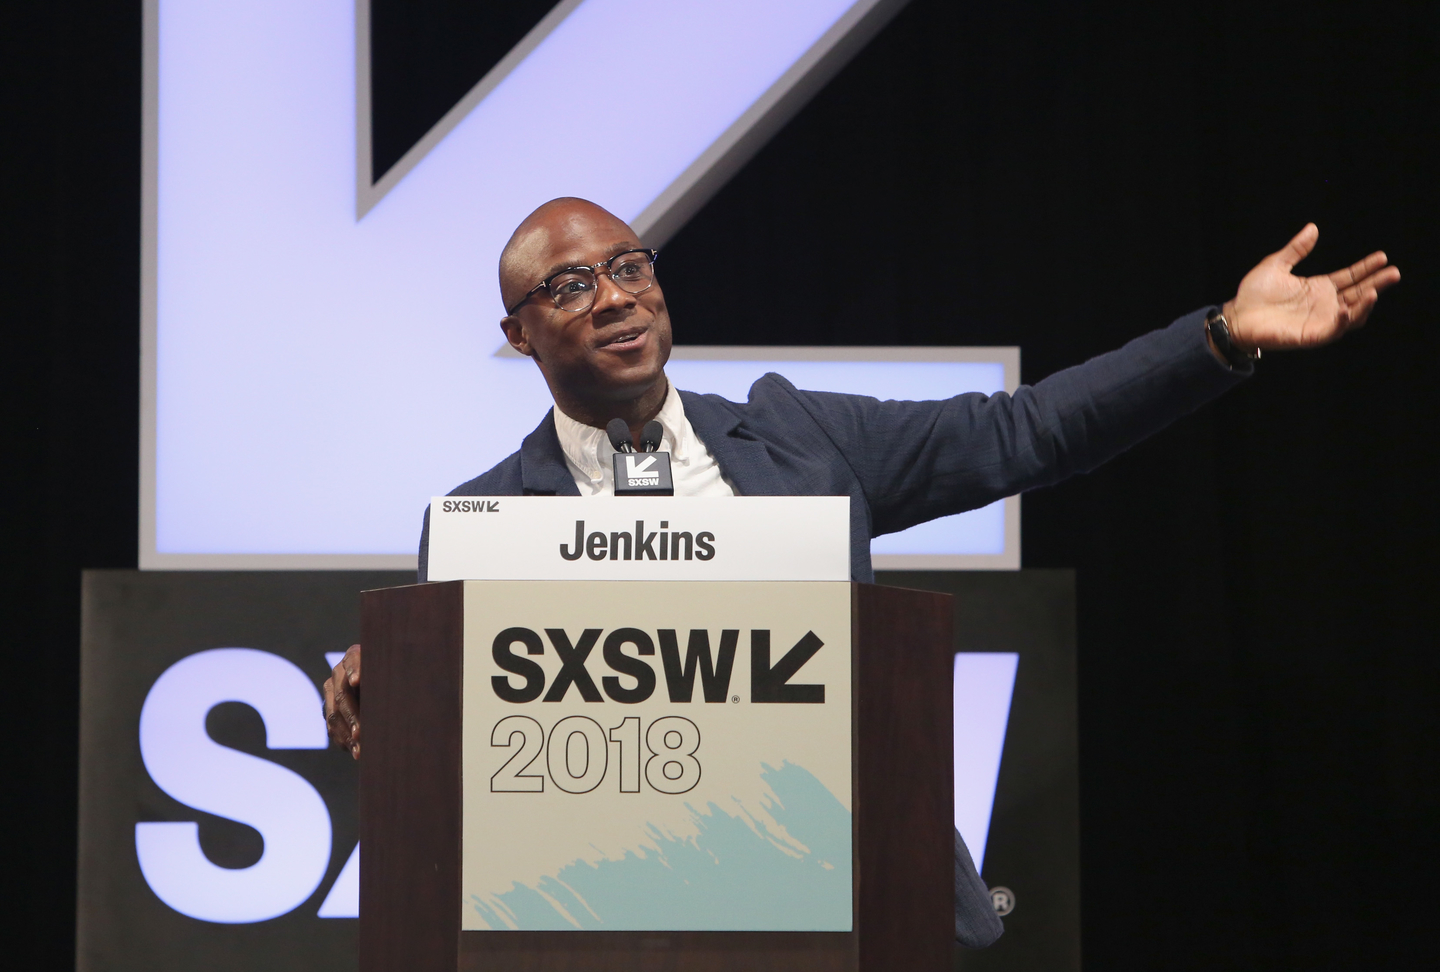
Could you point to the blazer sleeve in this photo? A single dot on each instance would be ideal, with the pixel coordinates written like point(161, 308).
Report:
point(919, 460)
point(422, 571)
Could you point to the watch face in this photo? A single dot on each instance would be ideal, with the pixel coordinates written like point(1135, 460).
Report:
point(1219, 330)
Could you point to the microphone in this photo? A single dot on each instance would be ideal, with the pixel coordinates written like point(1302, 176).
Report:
point(646, 473)
point(619, 434)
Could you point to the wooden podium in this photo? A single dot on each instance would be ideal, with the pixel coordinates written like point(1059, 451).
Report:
point(412, 818)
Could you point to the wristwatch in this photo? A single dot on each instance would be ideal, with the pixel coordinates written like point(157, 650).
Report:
point(1219, 330)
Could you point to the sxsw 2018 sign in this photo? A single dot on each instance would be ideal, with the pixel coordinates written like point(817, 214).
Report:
point(681, 757)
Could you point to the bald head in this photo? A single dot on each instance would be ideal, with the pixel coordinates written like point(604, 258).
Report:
point(557, 227)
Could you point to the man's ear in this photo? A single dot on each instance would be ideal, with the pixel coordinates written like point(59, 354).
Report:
point(515, 334)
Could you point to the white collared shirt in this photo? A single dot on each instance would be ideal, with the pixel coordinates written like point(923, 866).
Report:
point(589, 454)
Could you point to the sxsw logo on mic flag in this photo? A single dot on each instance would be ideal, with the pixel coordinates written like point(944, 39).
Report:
point(646, 474)
point(641, 471)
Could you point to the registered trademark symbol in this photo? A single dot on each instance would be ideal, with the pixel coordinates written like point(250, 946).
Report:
point(734, 698)
point(1003, 899)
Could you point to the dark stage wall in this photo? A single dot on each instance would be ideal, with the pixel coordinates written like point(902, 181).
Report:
point(1257, 642)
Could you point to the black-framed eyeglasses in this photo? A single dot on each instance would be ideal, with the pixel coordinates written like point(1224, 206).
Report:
point(573, 289)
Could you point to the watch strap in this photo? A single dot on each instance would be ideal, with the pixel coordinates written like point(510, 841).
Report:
point(1219, 330)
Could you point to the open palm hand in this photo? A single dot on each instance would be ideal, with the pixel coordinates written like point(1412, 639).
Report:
point(1275, 309)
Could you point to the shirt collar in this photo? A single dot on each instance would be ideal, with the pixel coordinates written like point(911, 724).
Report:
point(589, 448)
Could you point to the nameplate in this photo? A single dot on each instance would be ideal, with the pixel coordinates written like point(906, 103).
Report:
point(739, 538)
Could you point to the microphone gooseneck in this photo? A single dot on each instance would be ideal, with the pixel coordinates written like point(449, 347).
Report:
point(619, 434)
point(651, 435)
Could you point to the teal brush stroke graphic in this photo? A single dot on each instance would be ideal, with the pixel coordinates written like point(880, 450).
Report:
point(728, 877)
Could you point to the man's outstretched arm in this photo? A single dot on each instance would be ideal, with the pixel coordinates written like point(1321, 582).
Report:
point(921, 460)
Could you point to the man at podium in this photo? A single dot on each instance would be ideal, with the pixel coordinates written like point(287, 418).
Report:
point(583, 301)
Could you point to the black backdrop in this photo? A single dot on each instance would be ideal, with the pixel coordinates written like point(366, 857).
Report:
point(1257, 635)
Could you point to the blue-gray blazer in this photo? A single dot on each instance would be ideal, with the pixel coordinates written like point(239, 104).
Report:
point(903, 463)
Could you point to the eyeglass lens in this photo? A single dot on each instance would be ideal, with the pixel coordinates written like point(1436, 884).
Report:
point(574, 290)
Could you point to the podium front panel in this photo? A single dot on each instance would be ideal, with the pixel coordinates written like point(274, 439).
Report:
point(828, 818)
point(663, 756)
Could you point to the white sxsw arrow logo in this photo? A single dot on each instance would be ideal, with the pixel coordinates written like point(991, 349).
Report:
point(643, 469)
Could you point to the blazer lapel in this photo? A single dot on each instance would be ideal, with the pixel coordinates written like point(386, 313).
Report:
point(542, 462)
point(744, 460)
